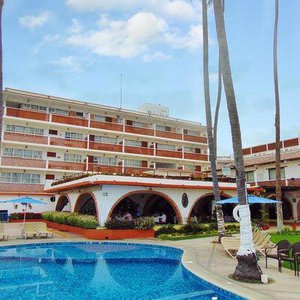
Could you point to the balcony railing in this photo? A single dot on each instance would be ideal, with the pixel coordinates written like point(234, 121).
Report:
point(106, 125)
point(27, 114)
point(68, 143)
point(292, 182)
point(197, 139)
point(22, 188)
point(139, 150)
point(106, 147)
point(167, 153)
point(70, 120)
point(25, 138)
point(105, 169)
point(23, 162)
point(62, 165)
point(139, 130)
point(196, 156)
point(169, 135)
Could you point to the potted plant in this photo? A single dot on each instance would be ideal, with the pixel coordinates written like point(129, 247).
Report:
point(264, 220)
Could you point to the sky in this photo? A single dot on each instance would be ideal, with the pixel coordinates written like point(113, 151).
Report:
point(78, 49)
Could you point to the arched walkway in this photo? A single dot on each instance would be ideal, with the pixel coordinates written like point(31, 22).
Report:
point(63, 204)
point(146, 203)
point(287, 209)
point(86, 205)
point(203, 209)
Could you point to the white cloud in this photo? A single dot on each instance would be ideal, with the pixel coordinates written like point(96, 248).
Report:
point(135, 36)
point(46, 40)
point(179, 9)
point(76, 26)
point(33, 22)
point(155, 56)
point(72, 63)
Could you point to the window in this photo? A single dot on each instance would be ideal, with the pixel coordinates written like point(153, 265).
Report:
point(22, 153)
point(72, 157)
point(54, 132)
point(105, 140)
point(34, 107)
point(99, 118)
point(79, 114)
point(21, 178)
point(107, 161)
point(23, 129)
point(190, 168)
point(191, 132)
point(73, 136)
point(191, 150)
point(166, 147)
point(58, 111)
point(138, 124)
point(250, 176)
point(133, 143)
point(272, 174)
point(132, 163)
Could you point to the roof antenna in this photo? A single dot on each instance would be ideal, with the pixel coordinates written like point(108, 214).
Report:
point(121, 90)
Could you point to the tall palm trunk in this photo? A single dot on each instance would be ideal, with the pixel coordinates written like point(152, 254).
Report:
point(211, 139)
point(247, 268)
point(1, 75)
point(277, 126)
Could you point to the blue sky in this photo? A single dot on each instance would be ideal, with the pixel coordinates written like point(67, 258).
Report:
point(77, 49)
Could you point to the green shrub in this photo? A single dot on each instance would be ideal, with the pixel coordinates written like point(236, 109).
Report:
point(233, 227)
point(213, 226)
point(166, 229)
point(14, 216)
point(193, 228)
point(119, 224)
point(144, 223)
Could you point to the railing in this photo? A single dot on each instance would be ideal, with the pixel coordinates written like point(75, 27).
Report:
point(196, 156)
point(106, 125)
point(139, 130)
point(23, 162)
point(106, 147)
point(68, 143)
point(62, 165)
point(295, 182)
point(167, 153)
point(105, 169)
point(139, 150)
point(169, 135)
point(27, 114)
point(70, 120)
point(197, 139)
point(20, 187)
point(26, 138)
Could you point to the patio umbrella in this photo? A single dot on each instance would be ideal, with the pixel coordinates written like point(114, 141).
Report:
point(251, 199)
point(26, 201)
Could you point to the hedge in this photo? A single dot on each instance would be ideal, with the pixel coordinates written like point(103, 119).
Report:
point(141, 223)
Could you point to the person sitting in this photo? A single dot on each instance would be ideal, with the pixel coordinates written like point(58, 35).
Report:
point(163, 218)
point(127, 216)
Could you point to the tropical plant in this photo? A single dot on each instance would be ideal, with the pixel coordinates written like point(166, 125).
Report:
point(119, 224)
point(212, 142)
point(247, 267)
point(277, 126)
point(144, 223)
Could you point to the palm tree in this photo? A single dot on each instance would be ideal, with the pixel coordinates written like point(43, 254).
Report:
point(277, 126)
point(1, 72)
point(212, 143)
point(247, 267)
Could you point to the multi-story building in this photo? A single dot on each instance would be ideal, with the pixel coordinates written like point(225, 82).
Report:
point(260, 171)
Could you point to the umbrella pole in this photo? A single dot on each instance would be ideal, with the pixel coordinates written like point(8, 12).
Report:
point(25, 210)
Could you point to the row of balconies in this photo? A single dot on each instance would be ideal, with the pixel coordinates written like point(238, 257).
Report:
point(112, 126)
point(295, 182)
point(54, 141)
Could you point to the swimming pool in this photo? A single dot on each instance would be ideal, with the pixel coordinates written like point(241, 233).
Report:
point(95, 270)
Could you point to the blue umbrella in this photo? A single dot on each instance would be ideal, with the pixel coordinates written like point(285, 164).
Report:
point(24, 201)
point(251, 199)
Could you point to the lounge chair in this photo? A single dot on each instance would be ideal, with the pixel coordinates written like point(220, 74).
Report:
point(274, 252)
point(293, 258)
point(3, 235)
point(28, 230)
point(42, 230)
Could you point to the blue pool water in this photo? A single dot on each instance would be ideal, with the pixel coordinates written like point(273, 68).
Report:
point(95, 270)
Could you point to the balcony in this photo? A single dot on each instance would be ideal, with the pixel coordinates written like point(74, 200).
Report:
point(26, 114)
point(21, 188)
point(68, 143)
point(193, 138)
point(106, 125)
point(169, 135)
point(139, 150)
point(292, 182)
point(25, 138)
point(105, 169)
point(77, 121)
point(23, 162)
point(63, 165)
point(167, 153)
point(196, 156)
point(106, 147)
point(139, 130)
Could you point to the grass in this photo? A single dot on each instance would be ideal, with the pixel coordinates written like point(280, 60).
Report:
point(172, 237)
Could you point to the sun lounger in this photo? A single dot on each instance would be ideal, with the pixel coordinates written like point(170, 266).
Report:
point(28, 230)
point(42, 230)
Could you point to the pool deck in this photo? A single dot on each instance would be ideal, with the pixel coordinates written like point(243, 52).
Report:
point(209, 261)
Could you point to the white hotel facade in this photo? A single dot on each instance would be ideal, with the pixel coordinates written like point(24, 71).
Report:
point(46, 138)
